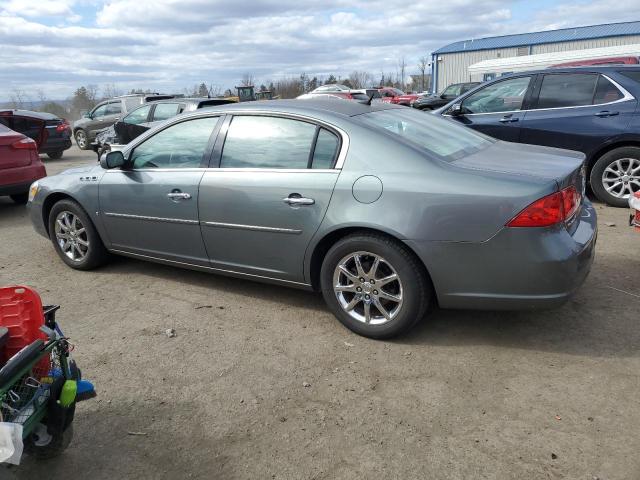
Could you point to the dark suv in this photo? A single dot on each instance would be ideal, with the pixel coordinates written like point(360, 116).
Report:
point(590, 109)
point(106, 113)
point(437, 100)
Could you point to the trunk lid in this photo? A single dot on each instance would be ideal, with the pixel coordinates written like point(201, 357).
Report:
point(564, 167)
point(9, 156)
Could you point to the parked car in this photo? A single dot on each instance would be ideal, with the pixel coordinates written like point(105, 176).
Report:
point(304, 194)
point(51, 133)
point(634, 204)
point(601, 61)
point(20, 164)
point(388, 94)
point(107, 113)
point(147, 116)
point(431, 102)
point(590, 109)
point(330, 88)
point(349, 95)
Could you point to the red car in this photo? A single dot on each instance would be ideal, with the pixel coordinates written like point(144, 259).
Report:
point(20, 164)
point(390, 94)
point(634, 203)
point(601, 61)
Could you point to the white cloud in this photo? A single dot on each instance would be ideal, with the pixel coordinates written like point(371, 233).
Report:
point(169, 44)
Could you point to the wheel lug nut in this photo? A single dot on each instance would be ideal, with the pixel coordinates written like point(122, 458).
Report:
point(361, 280)
point(375, 292)
point(367, 296)
point(358, 289)
point(372, 281)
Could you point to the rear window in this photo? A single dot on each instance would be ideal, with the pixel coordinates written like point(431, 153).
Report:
point(632, 74)
point(433, 134)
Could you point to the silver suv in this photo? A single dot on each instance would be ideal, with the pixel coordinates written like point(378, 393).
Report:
point(106, 113)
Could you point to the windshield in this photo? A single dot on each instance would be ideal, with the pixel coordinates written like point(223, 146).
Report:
point(428, 132)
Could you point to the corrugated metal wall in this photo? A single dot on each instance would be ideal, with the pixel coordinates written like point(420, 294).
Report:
point(454, 66)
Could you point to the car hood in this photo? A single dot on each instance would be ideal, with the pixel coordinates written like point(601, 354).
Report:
point(520, 159)
point(78, 170)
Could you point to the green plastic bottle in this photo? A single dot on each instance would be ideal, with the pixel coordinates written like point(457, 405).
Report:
point(68, 394)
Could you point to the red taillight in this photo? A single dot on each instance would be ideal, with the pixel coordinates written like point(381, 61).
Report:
point(549, 210)
point(63, 126)
point(25, 144)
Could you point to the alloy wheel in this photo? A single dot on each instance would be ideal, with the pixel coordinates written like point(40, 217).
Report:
point(368, 288)
point(621, 178)
point(71, 236)
point(81, 139)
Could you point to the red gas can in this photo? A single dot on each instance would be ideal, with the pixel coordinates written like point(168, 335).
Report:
point(21, 313)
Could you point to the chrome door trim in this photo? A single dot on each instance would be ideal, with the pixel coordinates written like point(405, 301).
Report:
point(257, 228)
point(186, 170)
point(213, 269)
point(273, 170)
point(626, 97)
point(152, 219)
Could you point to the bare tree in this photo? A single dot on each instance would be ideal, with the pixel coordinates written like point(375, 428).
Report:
point(423, 63)
point(110, 90)
point(92, 92)
point(360, 79)
point(19, 98)
point(247, 80)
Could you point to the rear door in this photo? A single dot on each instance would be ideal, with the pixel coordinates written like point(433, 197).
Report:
point(261, 207)
point(134, 124)
point(497, 109)
point(577, 111)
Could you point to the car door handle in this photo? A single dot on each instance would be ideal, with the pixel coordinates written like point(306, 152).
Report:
point(179, 196)
point(295, 199)
point(606, 113)
point(508, 119)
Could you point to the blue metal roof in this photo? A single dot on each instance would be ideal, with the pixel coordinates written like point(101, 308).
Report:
point(550, 36)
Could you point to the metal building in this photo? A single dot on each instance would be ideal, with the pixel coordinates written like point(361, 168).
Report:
point(450, 64)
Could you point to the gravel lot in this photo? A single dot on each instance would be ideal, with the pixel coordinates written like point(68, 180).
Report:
point(464, 395)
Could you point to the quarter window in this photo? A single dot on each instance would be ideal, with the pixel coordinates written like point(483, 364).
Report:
point(504, 96)
point(567, 90)
point(182, 145)
point(267, 142)
point(326, 149)
point(138, 116)
point(113, 108)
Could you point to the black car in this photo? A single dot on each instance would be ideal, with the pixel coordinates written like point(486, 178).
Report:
point(51, 133)
point(431, 102)
point(143, 118)
point(590, 109)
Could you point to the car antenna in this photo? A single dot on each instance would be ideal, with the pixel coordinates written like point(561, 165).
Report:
point(368, 102)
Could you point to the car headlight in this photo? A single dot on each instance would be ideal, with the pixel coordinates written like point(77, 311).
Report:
point(33, 189)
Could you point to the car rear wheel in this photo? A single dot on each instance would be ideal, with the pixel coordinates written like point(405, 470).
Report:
point(55, 155)
point(81, 140)
point(20, 198)
point(374, 285)
point(74, 236)
point(616, 176)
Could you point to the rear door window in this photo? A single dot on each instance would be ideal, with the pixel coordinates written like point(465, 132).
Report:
point(567, 90)
point(138, 116)
point(113, 108)
point(164, 111)
point(606, 92)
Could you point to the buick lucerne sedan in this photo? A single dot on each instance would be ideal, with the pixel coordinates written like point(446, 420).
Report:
point(385, 210)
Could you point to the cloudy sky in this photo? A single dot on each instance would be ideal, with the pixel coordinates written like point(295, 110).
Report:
point(57, 45)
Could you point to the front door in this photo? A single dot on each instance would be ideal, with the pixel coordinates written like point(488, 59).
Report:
point(151, 207)
point(259, 210)
point(496, 110)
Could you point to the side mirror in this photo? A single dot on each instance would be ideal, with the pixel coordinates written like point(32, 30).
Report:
point(456, 110)
point(112, 160)
point(443, 96)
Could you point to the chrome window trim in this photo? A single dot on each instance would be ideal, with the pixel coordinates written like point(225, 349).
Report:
point(626, 97)
point(186, 170)
point(152, 219)
point(222, 270)
point(274, 170)
point(256, 228)
point(273, 113)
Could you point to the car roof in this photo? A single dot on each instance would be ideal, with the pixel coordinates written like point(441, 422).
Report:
point(581, 68)
point(347, 108)
point(28, 113)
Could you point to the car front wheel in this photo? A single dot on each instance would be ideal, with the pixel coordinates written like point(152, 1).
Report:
point(616, 176)
point(74, 236)
point(374, 285)
point(81, 140)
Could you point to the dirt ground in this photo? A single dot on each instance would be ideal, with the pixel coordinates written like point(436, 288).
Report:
point(466, 395)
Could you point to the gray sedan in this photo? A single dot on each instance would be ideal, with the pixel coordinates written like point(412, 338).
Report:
point(386, 210)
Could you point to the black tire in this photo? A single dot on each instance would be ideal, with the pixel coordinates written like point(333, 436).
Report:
point(20, 198)
point(96, 255)
point(416, 287)
point(596, 180)
point(82, 140)
point(57, 445)
point(55, 155)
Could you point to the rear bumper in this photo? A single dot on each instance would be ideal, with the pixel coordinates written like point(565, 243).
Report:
point(517, 269)
point(55, 145)
point(18, 180)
